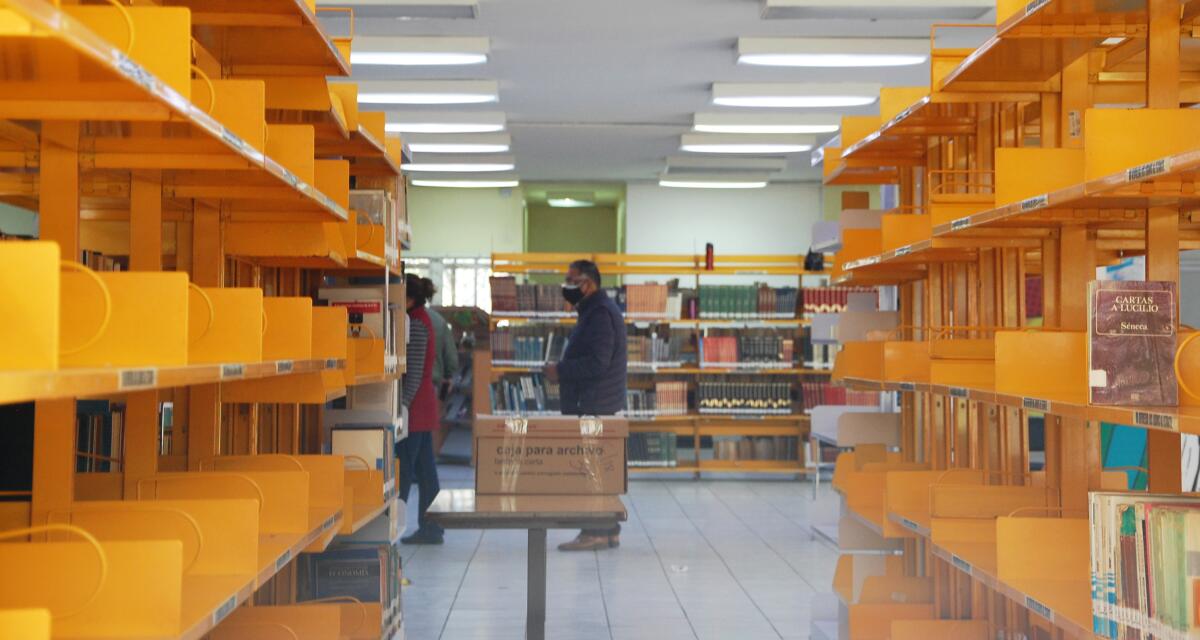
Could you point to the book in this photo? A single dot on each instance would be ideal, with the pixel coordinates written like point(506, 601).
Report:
point(1131, 343)
point(1145, 565)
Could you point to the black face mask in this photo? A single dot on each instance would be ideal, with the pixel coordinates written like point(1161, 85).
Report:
point(572, 294)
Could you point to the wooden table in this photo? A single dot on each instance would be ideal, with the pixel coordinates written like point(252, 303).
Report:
point(462, 509)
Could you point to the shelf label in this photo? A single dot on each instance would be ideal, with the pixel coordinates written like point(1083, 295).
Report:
point(751, 272)
point(903, 251)
point(135, 72)
point(908, 386)
point(1155, 420)
point(233, 139)
point(961, 223)
point(331, 363)
point(233, 371)
point(1148, 170)
point(1039, 608)
point(224, 610)
point(960, 564)
point(283, 560)
point(1074, 123)
point(1037, 404)
point(138, 378)
point(909, 524)
point(866, 262)
point(958, 392)
point(329, 522)
point(1034, 5)
point(1035, 203)
point(285, 366)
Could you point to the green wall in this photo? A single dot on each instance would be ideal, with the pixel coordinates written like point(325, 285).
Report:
point(564, 230)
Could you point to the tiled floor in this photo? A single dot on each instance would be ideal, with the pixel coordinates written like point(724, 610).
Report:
point(726, 559)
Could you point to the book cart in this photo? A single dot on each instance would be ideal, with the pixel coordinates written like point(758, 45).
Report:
point(201, 141)
point(691, 424)
point(1008, 164)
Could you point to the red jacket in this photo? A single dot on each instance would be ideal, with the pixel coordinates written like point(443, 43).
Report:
point(423, 410)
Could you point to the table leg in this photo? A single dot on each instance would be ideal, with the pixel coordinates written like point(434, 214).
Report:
point(535, 612)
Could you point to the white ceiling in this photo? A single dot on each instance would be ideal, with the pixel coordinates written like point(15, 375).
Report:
point(602, 89)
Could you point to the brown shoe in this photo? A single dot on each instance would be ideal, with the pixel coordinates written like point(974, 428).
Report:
point(589, 543)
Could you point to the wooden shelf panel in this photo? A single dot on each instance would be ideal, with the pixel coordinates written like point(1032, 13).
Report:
point(27, 386)
point(1064, 603)
point(1040, 40)
point(256, 38)
point(1183, 419)
point(1103, 201)
point(229, 163)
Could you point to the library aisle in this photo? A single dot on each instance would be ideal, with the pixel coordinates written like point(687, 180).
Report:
point(712, 559)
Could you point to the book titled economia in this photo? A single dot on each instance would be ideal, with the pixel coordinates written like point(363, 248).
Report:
point(1131, 351)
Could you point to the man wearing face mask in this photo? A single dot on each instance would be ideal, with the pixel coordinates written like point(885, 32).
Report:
point(591, 374)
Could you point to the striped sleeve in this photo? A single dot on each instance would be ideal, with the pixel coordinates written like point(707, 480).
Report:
point(418, 345)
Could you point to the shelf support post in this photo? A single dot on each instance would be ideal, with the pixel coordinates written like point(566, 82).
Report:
point(140, 459)
point(1162, 223)
point(53, 458)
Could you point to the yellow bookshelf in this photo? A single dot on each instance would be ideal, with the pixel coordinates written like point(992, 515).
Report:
point(176, 135)
point(1008, 165)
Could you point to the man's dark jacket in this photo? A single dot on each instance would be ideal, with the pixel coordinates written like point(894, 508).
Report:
point(592, 370)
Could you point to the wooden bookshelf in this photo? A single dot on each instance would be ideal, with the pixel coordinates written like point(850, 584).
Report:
point(693, 425)
point(1005, 167)
point(148, 132)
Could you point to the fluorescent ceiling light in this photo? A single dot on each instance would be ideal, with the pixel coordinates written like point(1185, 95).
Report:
point(444, 122)
point(709, 184)
point(833, 52)
point(702, 163)
point(732, 143)
point(570, 200)
point(483, 143)
point(408, 9)
point(467, 184)
point(780, 123)
point(714, 181)
point(784, 95)
point(428, 92)
point(370, 50)
point(877, 9)
point(458, 167)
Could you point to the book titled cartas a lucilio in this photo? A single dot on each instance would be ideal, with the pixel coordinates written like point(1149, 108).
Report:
point(1131, 352)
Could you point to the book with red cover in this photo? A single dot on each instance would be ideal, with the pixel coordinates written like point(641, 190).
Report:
point(1131, 347)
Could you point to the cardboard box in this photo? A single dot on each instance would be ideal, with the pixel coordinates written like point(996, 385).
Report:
point(551, 456)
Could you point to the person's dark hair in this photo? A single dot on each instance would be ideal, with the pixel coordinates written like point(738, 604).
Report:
point(419, 290)
point(587, 269)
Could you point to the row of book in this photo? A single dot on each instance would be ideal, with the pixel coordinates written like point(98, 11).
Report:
point(815, 394)
point(779, 448)
point(652, 450)
point(645, 300)
point(755, 347)
point(510, 297)
point(667, 399)
point(829, 299)
point(747, 302)
point(530, 394)
point(655, 349)
point(736, 396)
point(527, 346)
point(97, 261)
point(1145, 566)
